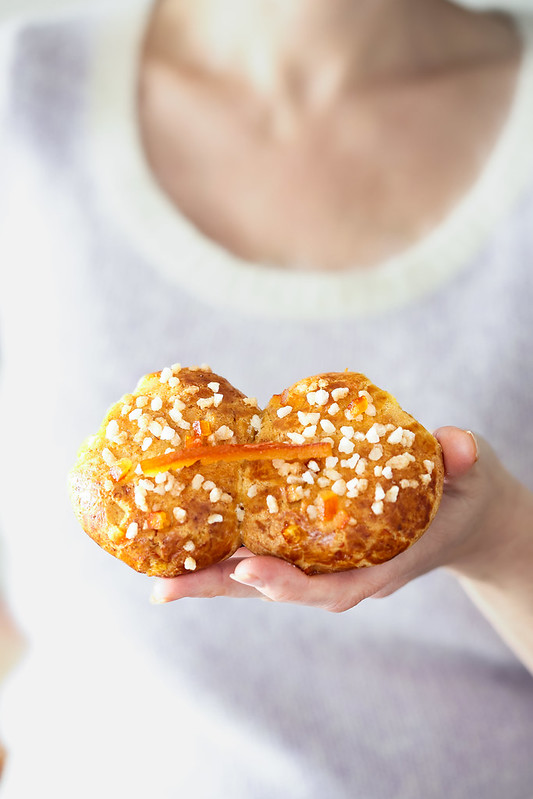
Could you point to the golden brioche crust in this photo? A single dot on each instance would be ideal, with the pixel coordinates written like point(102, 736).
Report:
point(179, 527)
point(372, 498)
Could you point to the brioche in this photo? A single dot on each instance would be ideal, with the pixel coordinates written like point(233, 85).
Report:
point(373, 497)
point(333, 475)
point(176, 521)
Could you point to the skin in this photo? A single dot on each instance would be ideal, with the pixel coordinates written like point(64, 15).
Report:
point(304, 97)
point(11, 643)
point(282, 83)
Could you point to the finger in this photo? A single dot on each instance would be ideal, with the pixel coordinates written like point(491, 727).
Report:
point(283, 582)
point(459, 449)
point(207, 583)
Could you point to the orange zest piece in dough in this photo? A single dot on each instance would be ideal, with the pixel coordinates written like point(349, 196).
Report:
point(292, 533)
point(327, 504)
point(202, 427)
point(121, 469)
point(156, 520)
point(227, 453)
point(358, 406)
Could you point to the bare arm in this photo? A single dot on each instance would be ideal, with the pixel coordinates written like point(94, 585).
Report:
point(500, 580)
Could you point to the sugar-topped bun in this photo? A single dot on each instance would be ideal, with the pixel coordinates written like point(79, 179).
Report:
point(368, 501)
point(178, 520)
point(333, 475)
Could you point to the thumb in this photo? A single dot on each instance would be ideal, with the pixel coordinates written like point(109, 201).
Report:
point(459, 449)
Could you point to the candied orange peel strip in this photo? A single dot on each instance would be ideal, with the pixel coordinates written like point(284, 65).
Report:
point(227, 453)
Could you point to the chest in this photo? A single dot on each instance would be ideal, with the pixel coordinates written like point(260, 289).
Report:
point(353, 185)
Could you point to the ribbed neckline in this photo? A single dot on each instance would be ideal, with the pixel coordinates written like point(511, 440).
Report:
point(185, 255)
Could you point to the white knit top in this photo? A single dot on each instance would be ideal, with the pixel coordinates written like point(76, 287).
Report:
point(217, 276)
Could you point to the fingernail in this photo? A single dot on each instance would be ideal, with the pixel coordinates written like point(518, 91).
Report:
point(158, 597)
point(157, 600)
point(474, 439)
point(247, 579)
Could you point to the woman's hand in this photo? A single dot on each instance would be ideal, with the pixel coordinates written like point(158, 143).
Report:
point(474, 490)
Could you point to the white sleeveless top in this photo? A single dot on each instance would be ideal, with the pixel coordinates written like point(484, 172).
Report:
point(102, 280)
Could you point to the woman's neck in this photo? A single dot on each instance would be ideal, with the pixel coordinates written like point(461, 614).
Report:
point(309, 52)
